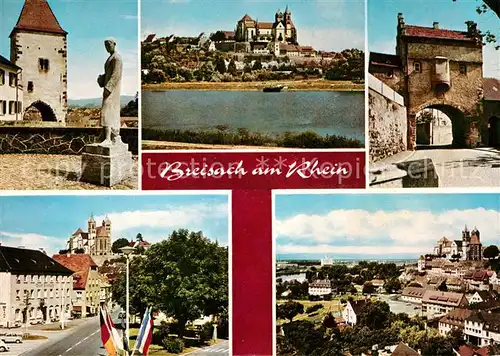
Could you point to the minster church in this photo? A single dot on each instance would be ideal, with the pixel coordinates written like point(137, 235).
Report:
point(469, 248)
point(96, 241)
point(282, 30)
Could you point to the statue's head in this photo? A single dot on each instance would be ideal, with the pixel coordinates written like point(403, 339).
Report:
point(110, 44)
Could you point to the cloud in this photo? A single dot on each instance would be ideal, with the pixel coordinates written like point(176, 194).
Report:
point(33, 241)
point(491, 62)
point(332, 39)
point(195, 216)
point(83, 69)
point(381, 232)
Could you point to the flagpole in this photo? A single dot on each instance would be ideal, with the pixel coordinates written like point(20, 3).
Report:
point(127, 250)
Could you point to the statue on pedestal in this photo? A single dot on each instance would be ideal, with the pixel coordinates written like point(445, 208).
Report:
point(110, 81)
point(109, 162)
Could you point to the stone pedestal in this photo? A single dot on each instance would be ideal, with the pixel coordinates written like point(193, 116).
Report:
point(106, 165)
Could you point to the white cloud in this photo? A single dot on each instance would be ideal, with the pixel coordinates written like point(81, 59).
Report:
point(401, 231)
point(332, 39)
point(83, 69)
point(194, 216)
point(491, 62)
point(32, 241)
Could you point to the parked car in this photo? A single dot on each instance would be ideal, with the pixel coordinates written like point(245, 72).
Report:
point(11, 338)
point(3, 347)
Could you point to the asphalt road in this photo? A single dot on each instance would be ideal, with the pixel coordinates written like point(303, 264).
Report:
point(84, 340)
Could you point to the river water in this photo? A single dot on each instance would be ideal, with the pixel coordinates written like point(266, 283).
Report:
point(324, 112)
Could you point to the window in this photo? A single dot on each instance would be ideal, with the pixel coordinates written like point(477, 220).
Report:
point(462, 68)
point(2, 77)
point(31, 87)
point(18, 294)
point(417, 67)
point(43, 64)
point(12, 110)
point(3, 111)
point(13, 80)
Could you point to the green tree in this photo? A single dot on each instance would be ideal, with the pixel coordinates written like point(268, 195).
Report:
point(289, 310)
point(375, 315)
point(491, 252)
point(368, 288)
point(392, 285)
point(257, 65)
point(232, 68)
point(141, 288)
point(218, 36)
point(118, 244)
point(186, 276)
point(220, 65)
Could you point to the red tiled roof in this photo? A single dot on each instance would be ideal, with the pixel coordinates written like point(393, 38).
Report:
point(229, 34)
point(246, 18)
point(265, 25)
point(491, 88)
point(430, 32)
point(78, 263)
point(101, 231)
point(79, 231)
point(466, 350)
point(404, 350)
point(141, 244)
point(37, 15)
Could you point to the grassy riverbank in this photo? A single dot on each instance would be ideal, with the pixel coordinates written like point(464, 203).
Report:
point(293, 85)
point(243, 137)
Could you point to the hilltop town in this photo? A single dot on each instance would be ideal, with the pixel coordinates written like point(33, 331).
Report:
point(446, 303)
point(254, 52)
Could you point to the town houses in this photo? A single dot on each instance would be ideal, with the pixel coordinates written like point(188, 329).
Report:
point(35, 288)
point(453, 288)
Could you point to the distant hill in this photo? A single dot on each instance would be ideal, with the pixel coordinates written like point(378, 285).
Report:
point(97, 102)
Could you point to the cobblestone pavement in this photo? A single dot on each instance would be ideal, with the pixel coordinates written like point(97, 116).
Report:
point(50, 172)
point(479, 167)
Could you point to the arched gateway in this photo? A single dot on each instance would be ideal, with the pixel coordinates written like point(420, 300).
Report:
point(440, 69)
point(39, 108)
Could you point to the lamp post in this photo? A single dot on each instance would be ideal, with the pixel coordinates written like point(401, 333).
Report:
point(127, 250)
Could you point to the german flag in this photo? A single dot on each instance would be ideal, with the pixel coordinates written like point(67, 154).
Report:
point(107, 335)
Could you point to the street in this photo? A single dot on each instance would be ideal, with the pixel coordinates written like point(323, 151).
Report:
point(83, 340)
point(221, 349)
point(479, 167)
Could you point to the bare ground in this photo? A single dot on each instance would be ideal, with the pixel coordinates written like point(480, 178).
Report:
point(50, 172)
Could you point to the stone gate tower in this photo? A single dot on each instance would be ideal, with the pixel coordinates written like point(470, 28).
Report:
point(38, 46)
point(442, 69)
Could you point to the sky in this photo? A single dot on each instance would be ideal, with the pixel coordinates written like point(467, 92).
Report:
point(380, 226)
point(382, 23)
point(89, 23)
point(329, 25)
point(48, 221)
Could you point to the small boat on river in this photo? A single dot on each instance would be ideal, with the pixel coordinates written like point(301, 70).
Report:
point(275, 89)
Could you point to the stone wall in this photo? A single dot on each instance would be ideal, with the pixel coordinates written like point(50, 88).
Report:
point(387, 121)
point(57, 140)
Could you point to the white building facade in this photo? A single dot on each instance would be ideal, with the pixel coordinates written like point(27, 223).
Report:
point(32, 284)
point(11, 91)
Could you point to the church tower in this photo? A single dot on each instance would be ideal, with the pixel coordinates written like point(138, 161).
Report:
point(107, 225)
point(38, 46)
point(91, 227)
